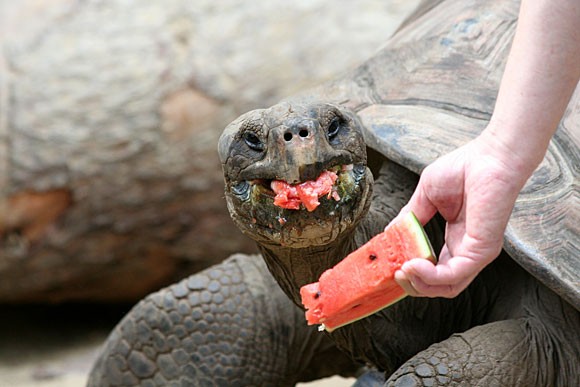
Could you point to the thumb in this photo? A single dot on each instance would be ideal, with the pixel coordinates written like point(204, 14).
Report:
point(420, 205)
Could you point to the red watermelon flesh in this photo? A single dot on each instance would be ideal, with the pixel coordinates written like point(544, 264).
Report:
point(290, 196)
point(363, 282)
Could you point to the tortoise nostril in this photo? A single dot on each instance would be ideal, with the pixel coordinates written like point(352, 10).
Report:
point(302, 133)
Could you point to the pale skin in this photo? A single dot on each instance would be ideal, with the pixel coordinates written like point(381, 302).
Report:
point(475, 187)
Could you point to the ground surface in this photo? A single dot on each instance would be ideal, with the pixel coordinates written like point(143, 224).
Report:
point(43, 346)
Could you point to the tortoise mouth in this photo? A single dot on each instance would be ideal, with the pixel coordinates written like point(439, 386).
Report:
point(331, 183)
point(259, 213)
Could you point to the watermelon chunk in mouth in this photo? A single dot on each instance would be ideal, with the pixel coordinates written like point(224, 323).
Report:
point(308, 193)
point(364, 282)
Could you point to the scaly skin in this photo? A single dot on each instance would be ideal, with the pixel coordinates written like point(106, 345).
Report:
point(229, 325)
point(538, 346)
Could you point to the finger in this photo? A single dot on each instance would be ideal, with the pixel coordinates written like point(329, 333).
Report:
point(420, 204)
point(444, 255)
point(415, 287)
point(450, 271)
point(404, 282)
point(440, 189)
point(446, 291)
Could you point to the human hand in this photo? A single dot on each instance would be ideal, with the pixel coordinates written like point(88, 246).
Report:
point(474, 188)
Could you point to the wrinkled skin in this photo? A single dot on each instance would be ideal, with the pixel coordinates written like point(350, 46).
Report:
point(232, 325)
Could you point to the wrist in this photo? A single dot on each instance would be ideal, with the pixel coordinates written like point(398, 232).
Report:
point(520, 150)
point(508, 163)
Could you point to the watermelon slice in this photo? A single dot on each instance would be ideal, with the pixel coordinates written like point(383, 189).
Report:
point(364, 282)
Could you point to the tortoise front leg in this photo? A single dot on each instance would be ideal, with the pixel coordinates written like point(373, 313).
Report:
point(516, 352)
point(227, 325)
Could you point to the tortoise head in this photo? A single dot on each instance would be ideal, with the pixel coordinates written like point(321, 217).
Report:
point(292, 144)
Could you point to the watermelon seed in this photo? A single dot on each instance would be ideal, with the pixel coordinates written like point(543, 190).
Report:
point(372, 257)
point(317, 295)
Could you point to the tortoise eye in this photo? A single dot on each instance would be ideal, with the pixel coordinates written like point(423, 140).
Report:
point(334, 128)
point(253, 141)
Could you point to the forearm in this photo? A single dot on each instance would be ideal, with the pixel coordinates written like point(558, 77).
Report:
point(541, 74)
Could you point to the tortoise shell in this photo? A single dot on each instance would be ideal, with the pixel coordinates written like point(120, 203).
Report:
point(432, 88)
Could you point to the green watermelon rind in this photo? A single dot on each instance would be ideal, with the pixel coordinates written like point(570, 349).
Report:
point(420, 236)
point(323, 327)
point(422, 241)
point(416, 230)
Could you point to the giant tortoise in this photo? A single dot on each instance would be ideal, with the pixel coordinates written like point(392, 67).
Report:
point(429, 90)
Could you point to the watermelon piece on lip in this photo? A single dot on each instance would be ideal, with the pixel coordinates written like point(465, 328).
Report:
point(364, 282)
point(290, 196)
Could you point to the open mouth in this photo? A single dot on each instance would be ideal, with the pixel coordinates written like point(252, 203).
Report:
point(332, 184)
point(307, 194)
point(310, 213)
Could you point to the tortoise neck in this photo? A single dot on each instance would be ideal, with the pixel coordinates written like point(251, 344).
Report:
point(295, 267)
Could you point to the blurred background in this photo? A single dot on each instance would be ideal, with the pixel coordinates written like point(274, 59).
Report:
point(110, 184)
